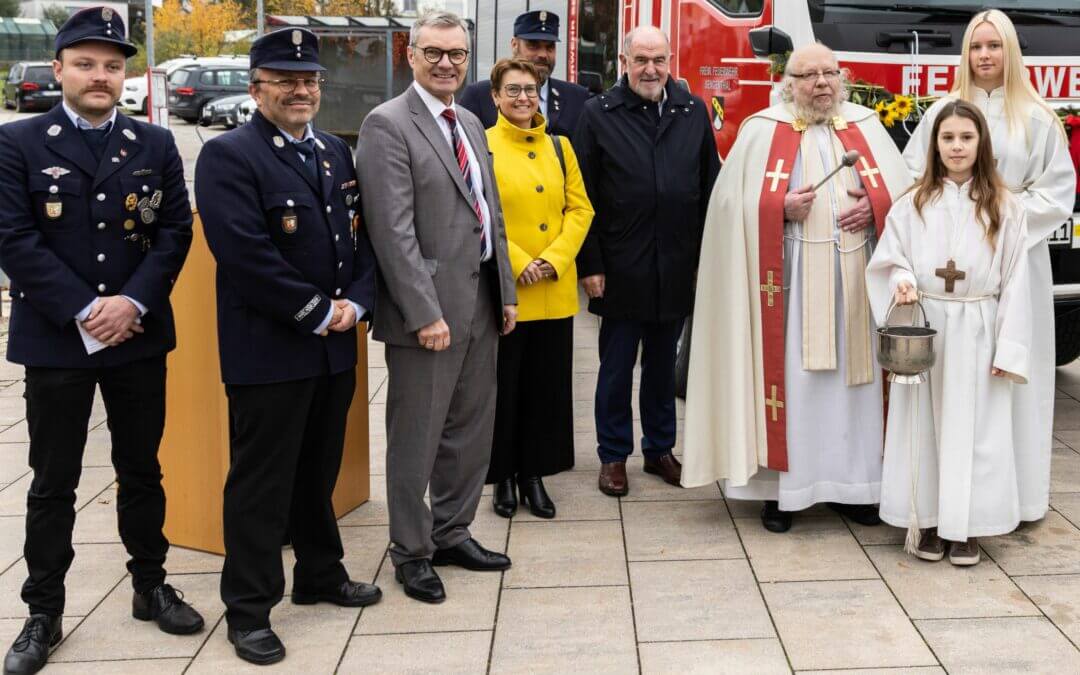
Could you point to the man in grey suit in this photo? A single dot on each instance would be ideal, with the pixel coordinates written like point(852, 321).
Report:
point(445, 291)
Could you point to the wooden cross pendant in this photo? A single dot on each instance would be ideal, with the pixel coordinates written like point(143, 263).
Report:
point(950, 274)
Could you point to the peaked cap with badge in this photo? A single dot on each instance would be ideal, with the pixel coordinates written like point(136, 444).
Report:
point(538, 25)
point(97, 24)
point(87, 218)
point(287, 49)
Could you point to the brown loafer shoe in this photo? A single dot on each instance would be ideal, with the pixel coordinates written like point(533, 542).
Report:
point(667, 467)
point(931, 547)
point(613, 479)
point(966, 553)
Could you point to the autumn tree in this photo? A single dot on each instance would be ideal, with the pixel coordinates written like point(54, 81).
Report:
point(200, 31)
point(358, 8)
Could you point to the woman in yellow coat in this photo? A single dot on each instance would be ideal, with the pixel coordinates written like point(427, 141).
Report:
point(547, 215)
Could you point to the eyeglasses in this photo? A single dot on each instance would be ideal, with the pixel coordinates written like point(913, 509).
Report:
point(289, 84)
point(434, 54)
point(514, 90)
point(814, 75)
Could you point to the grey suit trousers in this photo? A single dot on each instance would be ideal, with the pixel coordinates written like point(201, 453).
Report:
point(440, 415)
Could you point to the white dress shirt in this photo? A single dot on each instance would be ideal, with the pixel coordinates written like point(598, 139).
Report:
point(436, 107)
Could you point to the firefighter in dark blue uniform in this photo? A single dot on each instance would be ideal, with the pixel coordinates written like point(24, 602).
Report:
point(94, 229)
point(279, 202)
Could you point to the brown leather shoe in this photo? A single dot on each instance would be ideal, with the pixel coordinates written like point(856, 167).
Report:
point(613, 479)
point(667, 467)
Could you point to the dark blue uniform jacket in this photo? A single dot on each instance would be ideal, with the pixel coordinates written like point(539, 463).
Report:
point(73, 229)
point(286, 245)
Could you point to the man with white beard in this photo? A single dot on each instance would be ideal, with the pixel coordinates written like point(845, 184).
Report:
point(787, 382)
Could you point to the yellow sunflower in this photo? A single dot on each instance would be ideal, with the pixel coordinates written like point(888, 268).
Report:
point(891, 117)
point(903, 105)
point(882, 110)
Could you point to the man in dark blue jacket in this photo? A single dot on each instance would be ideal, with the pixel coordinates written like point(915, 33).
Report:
point(94, 229)
point(280, 206)
point(535, 35)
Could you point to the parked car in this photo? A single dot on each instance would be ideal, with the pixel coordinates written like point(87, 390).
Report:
point(31, 86)
point(223, 111)
point(134, 97)
point(244, 111)
point(192, 87)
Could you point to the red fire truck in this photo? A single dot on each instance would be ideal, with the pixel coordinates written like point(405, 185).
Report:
point(721, 50)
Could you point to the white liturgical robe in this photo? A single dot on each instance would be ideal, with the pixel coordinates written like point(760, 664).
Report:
point(1036, 166)
point(965, 456)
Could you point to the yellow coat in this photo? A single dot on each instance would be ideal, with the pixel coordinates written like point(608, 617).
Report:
point(545, 217)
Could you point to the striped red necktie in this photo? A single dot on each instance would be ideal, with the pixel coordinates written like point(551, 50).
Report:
point(466, 172)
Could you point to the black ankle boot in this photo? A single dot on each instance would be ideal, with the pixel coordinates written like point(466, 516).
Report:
point(505, 500)
point(533, 493)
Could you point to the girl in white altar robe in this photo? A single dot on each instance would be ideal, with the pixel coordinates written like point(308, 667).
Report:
point(956, 243)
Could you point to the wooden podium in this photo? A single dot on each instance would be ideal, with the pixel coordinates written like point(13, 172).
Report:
point(195, 449)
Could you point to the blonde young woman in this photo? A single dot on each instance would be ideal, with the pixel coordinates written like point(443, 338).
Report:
point(547, 215)
point(1032, 157)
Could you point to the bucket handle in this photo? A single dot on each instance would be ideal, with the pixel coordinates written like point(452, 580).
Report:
point(893, 305)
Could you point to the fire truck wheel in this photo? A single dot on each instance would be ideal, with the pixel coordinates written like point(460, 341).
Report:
point(1067, 328)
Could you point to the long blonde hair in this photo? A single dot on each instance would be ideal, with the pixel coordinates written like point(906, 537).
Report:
point(1017, 84)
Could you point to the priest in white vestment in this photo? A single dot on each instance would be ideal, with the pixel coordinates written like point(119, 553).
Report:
point(1033, 158)
point(957, 427)
point(784, 398)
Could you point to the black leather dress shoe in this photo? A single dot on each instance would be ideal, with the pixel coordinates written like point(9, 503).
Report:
point(863, 514)
point(31, 648)
point(165, 606)
point(774, 519)
point(533, 493)
point(420, 581)
point(472, 556)
point(348, 594)
point(260, 646)
point(505, 502)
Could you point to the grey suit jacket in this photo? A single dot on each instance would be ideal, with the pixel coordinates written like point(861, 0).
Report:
point(422, 226)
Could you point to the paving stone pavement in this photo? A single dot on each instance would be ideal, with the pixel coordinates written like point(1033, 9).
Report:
point(662, 581)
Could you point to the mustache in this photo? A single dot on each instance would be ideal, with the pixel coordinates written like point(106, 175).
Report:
point(299, 99)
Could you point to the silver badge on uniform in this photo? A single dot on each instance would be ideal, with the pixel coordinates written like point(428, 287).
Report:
point(106, 14)
point(155, 200)
point(279, 142)
point(54, 130)
point(55, 172)
point(297, 38)
point(129, 134)
point(322, 146)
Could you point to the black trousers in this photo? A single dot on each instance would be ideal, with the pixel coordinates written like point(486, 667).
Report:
point(619, 342)
point(58, 403)
point(285, 447)
point(534, 417)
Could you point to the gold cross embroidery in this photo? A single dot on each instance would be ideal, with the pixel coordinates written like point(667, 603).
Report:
point(769, 287)
point(774, 403)
point(868, 172)
point(776, 175)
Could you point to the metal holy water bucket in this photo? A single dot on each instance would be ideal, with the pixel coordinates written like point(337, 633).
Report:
point(907, 352)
